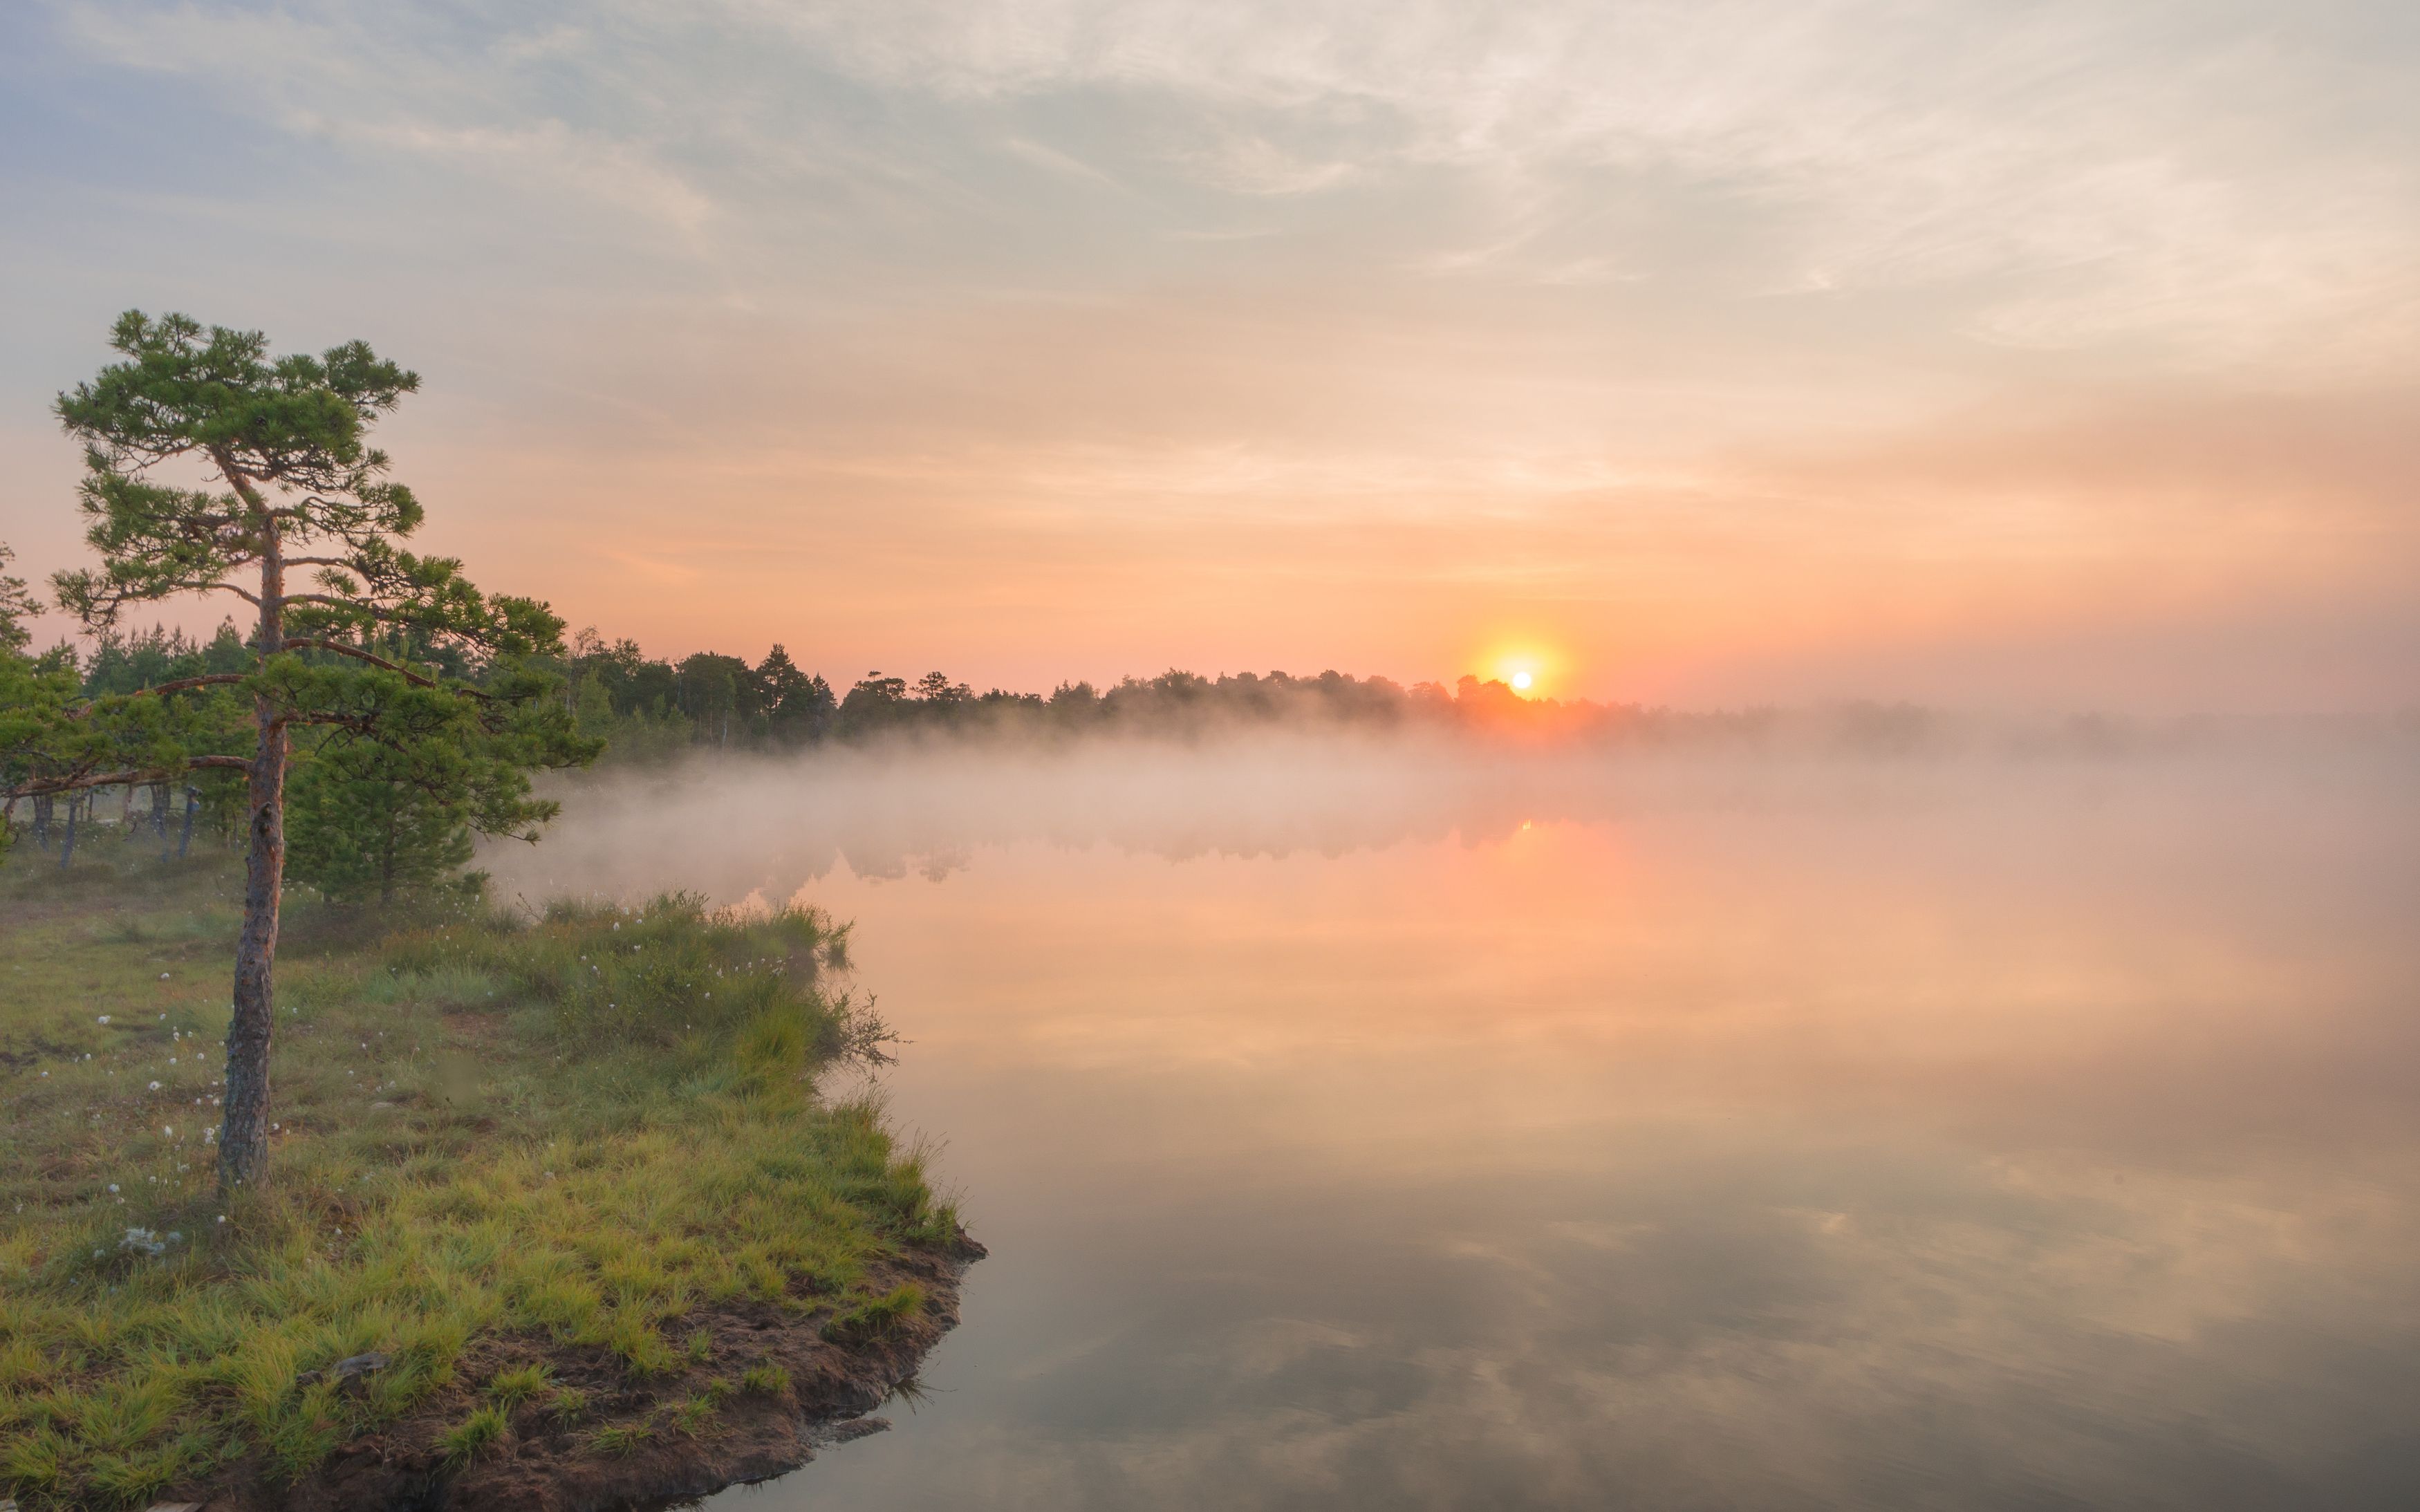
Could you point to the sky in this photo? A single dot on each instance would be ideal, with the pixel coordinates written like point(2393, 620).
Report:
point(2031, 354)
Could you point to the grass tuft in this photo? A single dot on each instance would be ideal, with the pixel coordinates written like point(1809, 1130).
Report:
point(622, 1439)
point(522, 1383)
point(694, 1416)
point(876, 1318)
point(473, 1437)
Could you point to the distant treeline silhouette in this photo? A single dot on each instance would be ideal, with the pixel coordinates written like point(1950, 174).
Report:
point(652, 708)
point(649, 706)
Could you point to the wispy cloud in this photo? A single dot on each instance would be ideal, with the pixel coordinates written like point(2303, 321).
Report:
point(1059, 162)
point(1725, 309)
point(335, 73)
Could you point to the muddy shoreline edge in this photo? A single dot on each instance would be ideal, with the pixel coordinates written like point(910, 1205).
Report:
point(545, 1463)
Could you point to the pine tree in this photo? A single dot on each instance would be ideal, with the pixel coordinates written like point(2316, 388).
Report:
point(797, 706)
point(282, 480)
point(35, 702)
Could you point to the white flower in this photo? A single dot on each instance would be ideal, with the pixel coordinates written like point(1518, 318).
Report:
point(113, 1186)
point(104, 1018)
point(168, 1129)
point(163, 977)
point(155, 1086)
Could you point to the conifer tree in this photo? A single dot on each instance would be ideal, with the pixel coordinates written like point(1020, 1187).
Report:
point(17, 606)
point(212, 467)
point(372, 820)
point(34, 698)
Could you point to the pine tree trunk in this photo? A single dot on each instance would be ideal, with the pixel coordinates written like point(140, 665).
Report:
point(243, 1135)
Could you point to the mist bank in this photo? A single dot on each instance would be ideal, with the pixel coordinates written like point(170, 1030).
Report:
point(653, 710)
point(740, 826)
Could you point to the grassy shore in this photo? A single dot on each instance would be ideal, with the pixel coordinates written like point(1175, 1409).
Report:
point(539, 1164)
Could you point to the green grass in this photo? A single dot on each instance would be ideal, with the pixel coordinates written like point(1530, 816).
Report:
point(523, 1383)
point(694, 1416)
point(471, 1437)
point(769, 1378)
point(574, 1129)
point(876, 1316)
point(621, 1439)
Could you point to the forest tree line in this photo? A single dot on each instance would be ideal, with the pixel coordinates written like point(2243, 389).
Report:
point(651, 708)
point(369, 822)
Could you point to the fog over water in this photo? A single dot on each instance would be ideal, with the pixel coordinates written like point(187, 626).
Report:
point(1386, 1125)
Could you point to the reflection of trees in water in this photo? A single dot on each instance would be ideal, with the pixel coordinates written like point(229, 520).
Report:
point(730, 827)
point(736, 827)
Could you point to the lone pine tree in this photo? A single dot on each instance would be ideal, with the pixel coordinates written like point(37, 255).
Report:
point(212, 467)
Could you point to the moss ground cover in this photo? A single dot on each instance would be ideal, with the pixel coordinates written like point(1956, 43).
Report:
point(583, 1130)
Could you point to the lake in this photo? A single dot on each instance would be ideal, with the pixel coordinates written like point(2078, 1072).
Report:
point(1364, 1126)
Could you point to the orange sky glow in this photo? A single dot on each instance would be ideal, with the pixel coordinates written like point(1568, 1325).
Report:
point(1692, 354)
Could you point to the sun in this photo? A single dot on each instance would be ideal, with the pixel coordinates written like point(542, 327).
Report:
point(1527, 666)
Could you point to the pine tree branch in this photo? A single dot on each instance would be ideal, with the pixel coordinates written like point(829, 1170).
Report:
point(40, 787)
point(359, 654)
point(181, 683)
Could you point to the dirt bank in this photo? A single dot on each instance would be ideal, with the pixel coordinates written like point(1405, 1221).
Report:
point(631, 1446)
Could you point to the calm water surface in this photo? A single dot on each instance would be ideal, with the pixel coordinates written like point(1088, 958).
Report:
point(1366, 1129)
